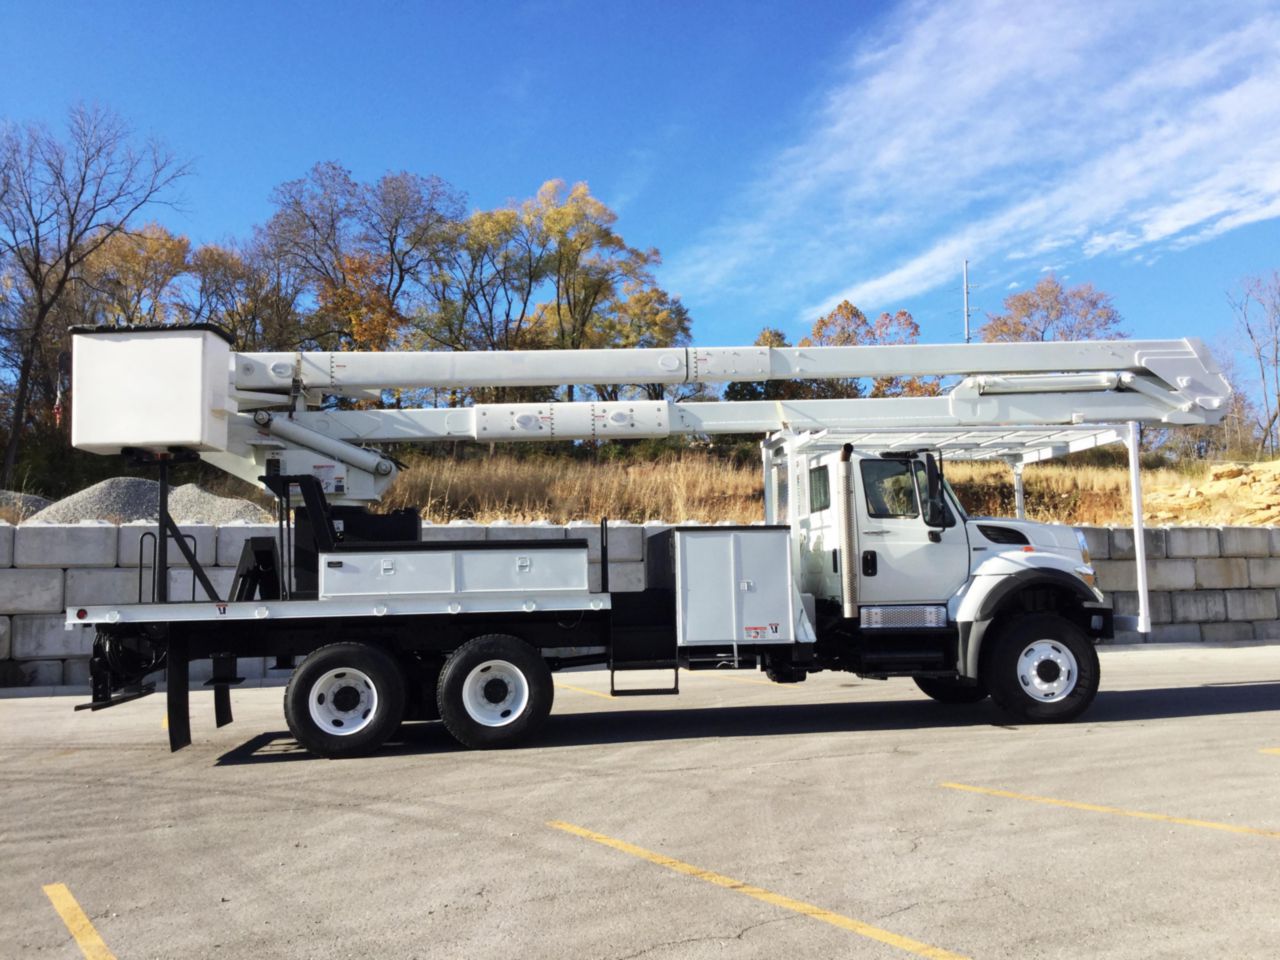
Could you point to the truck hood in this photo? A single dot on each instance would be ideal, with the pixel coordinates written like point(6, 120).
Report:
point(1023, 538)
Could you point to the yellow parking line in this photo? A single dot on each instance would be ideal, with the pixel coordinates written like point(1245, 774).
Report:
point(78, 925)
point(765, 896)
point(1274, 751)
point(590, 693)
point(1118, 811)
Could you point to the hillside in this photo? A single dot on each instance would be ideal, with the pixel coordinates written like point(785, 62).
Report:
point(710, 490)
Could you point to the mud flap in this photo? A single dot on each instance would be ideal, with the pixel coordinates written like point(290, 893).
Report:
point(178, 677)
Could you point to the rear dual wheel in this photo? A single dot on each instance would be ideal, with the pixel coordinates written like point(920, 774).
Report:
point(494, 691)
point(345, 700)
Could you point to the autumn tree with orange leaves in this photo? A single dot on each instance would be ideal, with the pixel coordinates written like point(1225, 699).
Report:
point(844, 326)
point(1050, 311)
point(359, 305)
point(847, 326)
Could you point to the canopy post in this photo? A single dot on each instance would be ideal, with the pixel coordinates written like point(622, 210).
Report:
point(1019, 493)
point(1139, 536)
point(770, 490)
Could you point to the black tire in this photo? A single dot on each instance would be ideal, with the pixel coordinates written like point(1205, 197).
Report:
point(951, 690)
point(495, 691)
point(1041, 668)
point(358, 692)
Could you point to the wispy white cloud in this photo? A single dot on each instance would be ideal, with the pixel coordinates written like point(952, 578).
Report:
point(1006, 131)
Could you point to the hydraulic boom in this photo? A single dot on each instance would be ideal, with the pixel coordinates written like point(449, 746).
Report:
point(254, 414)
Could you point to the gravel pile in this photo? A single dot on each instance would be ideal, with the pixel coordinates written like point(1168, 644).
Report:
point(122, 499)
point(24, 504)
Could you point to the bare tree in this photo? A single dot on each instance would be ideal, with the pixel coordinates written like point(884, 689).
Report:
point(406, 219)
point(314, 220)
point(1257, 314)
point(330, 225)
point(62, 199)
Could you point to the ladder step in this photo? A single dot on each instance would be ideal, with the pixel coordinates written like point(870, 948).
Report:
point(644, 691)
point(653, 692)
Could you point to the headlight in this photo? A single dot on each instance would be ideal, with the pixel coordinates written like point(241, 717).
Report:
point(1088, 576)
point(1084, 547)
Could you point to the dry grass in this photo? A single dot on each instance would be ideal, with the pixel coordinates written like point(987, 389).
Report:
point(503, 488)
point(1059, 493)
point(708, 490)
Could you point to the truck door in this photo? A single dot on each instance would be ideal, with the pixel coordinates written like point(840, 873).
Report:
point(900, 558)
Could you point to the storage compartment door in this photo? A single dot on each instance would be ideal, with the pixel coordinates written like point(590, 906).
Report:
point(706, 568)
point(734, 587)
point(764, 589)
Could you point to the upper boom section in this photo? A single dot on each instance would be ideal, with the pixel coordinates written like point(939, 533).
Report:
point(360, 372)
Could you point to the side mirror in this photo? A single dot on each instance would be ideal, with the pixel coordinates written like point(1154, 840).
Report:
point(935, 510)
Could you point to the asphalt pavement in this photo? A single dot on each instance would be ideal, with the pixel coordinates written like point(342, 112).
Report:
point(834, 818)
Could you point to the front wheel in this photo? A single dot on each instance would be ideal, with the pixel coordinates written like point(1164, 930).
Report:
point(344, 700)
point(494, 691)
point(1042, 668)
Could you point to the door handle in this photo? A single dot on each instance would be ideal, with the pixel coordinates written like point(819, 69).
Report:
point(875, 533)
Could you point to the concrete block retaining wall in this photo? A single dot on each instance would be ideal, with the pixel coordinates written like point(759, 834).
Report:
point(1208, 584)
point(44, 568)
point(1213, 584)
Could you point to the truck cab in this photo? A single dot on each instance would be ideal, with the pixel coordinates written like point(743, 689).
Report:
point(903, 582)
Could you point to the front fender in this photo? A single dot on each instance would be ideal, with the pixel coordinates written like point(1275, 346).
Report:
point(985, 595)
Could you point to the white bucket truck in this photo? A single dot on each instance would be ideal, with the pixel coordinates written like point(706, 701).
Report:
point(865, 561)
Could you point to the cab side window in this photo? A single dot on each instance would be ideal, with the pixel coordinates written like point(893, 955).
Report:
point(890, 489)
point(819, 489)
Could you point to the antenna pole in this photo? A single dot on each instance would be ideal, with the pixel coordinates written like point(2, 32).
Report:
point(966, 301)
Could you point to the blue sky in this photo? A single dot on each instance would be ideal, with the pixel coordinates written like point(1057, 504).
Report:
point(781, 156)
